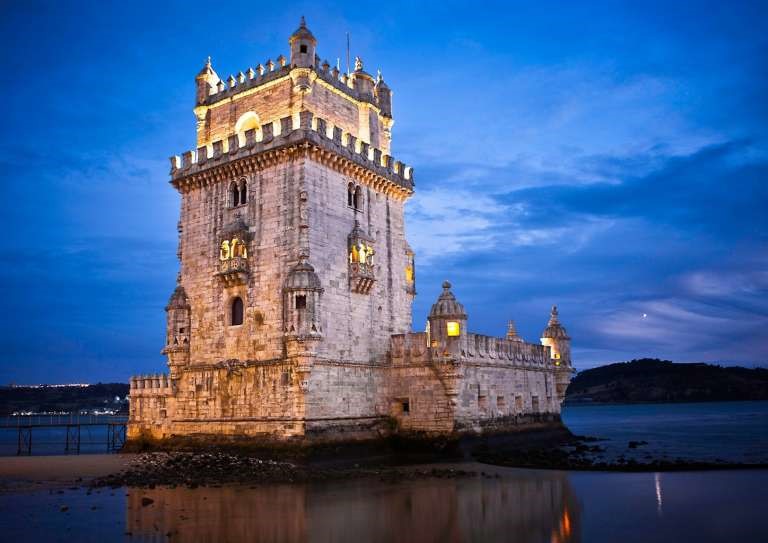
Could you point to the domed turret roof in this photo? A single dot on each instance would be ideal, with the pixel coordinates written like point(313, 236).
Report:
point(380, 83)
point(447, 306)
point(360, 72)
point(207, 72)
point(236, 226)
point(554, 329)
point(303, 277)
point(178, 299)
point(358, 233)
point(302, 33)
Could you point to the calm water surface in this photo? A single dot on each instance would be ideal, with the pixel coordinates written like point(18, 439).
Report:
point(732, 431)
point(524, 506)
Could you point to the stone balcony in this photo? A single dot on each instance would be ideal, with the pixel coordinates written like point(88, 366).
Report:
point(233, 271)
point(361, 277)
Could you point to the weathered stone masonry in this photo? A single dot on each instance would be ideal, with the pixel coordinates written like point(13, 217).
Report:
point(291, 319)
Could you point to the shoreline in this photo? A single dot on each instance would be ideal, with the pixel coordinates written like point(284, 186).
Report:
point(23, 473)
point(213, 469)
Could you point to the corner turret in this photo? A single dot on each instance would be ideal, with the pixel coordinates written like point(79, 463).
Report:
point(303, 45)
point(447, 323)
point(383, 95)
point(206, 82)
point(556, 338)
point(362, 81)
point(177, 330)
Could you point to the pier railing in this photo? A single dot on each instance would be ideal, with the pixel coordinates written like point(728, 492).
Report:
point(66, 431)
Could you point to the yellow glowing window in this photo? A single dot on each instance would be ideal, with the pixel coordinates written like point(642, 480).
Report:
point(452, 328)
point(557, 355)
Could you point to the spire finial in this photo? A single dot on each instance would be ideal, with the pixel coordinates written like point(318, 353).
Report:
point(553, 316)
point(208, 62)
point(358, 64)
point(303, 23)
point(446, 285)
point(511, 330)
point(378, 74)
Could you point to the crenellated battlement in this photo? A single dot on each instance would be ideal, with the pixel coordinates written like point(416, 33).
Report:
point(410, 349)
point(301, 130)
point(413, 349)
point(263, 74)
point(244, 81)
point(502, 349)
point(147, 385)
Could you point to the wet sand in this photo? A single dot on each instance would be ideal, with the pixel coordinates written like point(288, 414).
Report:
point(20, 473)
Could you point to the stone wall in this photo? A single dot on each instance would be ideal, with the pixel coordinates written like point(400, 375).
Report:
point(278, 96)
point(487, 384)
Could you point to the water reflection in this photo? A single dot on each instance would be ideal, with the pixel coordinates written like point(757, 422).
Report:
point(519, 508)
point(659, 502)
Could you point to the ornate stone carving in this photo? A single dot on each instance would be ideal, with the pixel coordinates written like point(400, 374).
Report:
point(362, 275)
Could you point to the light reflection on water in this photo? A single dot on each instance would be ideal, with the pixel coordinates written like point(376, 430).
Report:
point(522, 506)
point(525, 509)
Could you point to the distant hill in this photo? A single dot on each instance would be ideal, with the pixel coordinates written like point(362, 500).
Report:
point(59, 398)
point(653, 380)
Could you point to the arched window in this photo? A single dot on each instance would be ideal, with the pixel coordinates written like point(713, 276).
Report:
point(243, 191)
point(234, 195)
point(236, 311)
point(247, 121)
point(350, 195)
point(358, 199)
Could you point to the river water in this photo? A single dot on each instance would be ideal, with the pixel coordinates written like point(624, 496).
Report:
point(506, 504)
point(731, 431)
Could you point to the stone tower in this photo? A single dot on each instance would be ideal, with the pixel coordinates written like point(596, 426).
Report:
point(291, 241)
point(291, 317)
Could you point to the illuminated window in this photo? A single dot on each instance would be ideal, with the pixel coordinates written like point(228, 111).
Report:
point(236, 311)
point(452, 328)
point(557, 356)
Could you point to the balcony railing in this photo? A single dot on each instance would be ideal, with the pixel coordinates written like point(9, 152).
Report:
point(361, 277)
point(233, 271)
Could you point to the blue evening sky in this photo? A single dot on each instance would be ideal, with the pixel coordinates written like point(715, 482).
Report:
point(608, 157)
